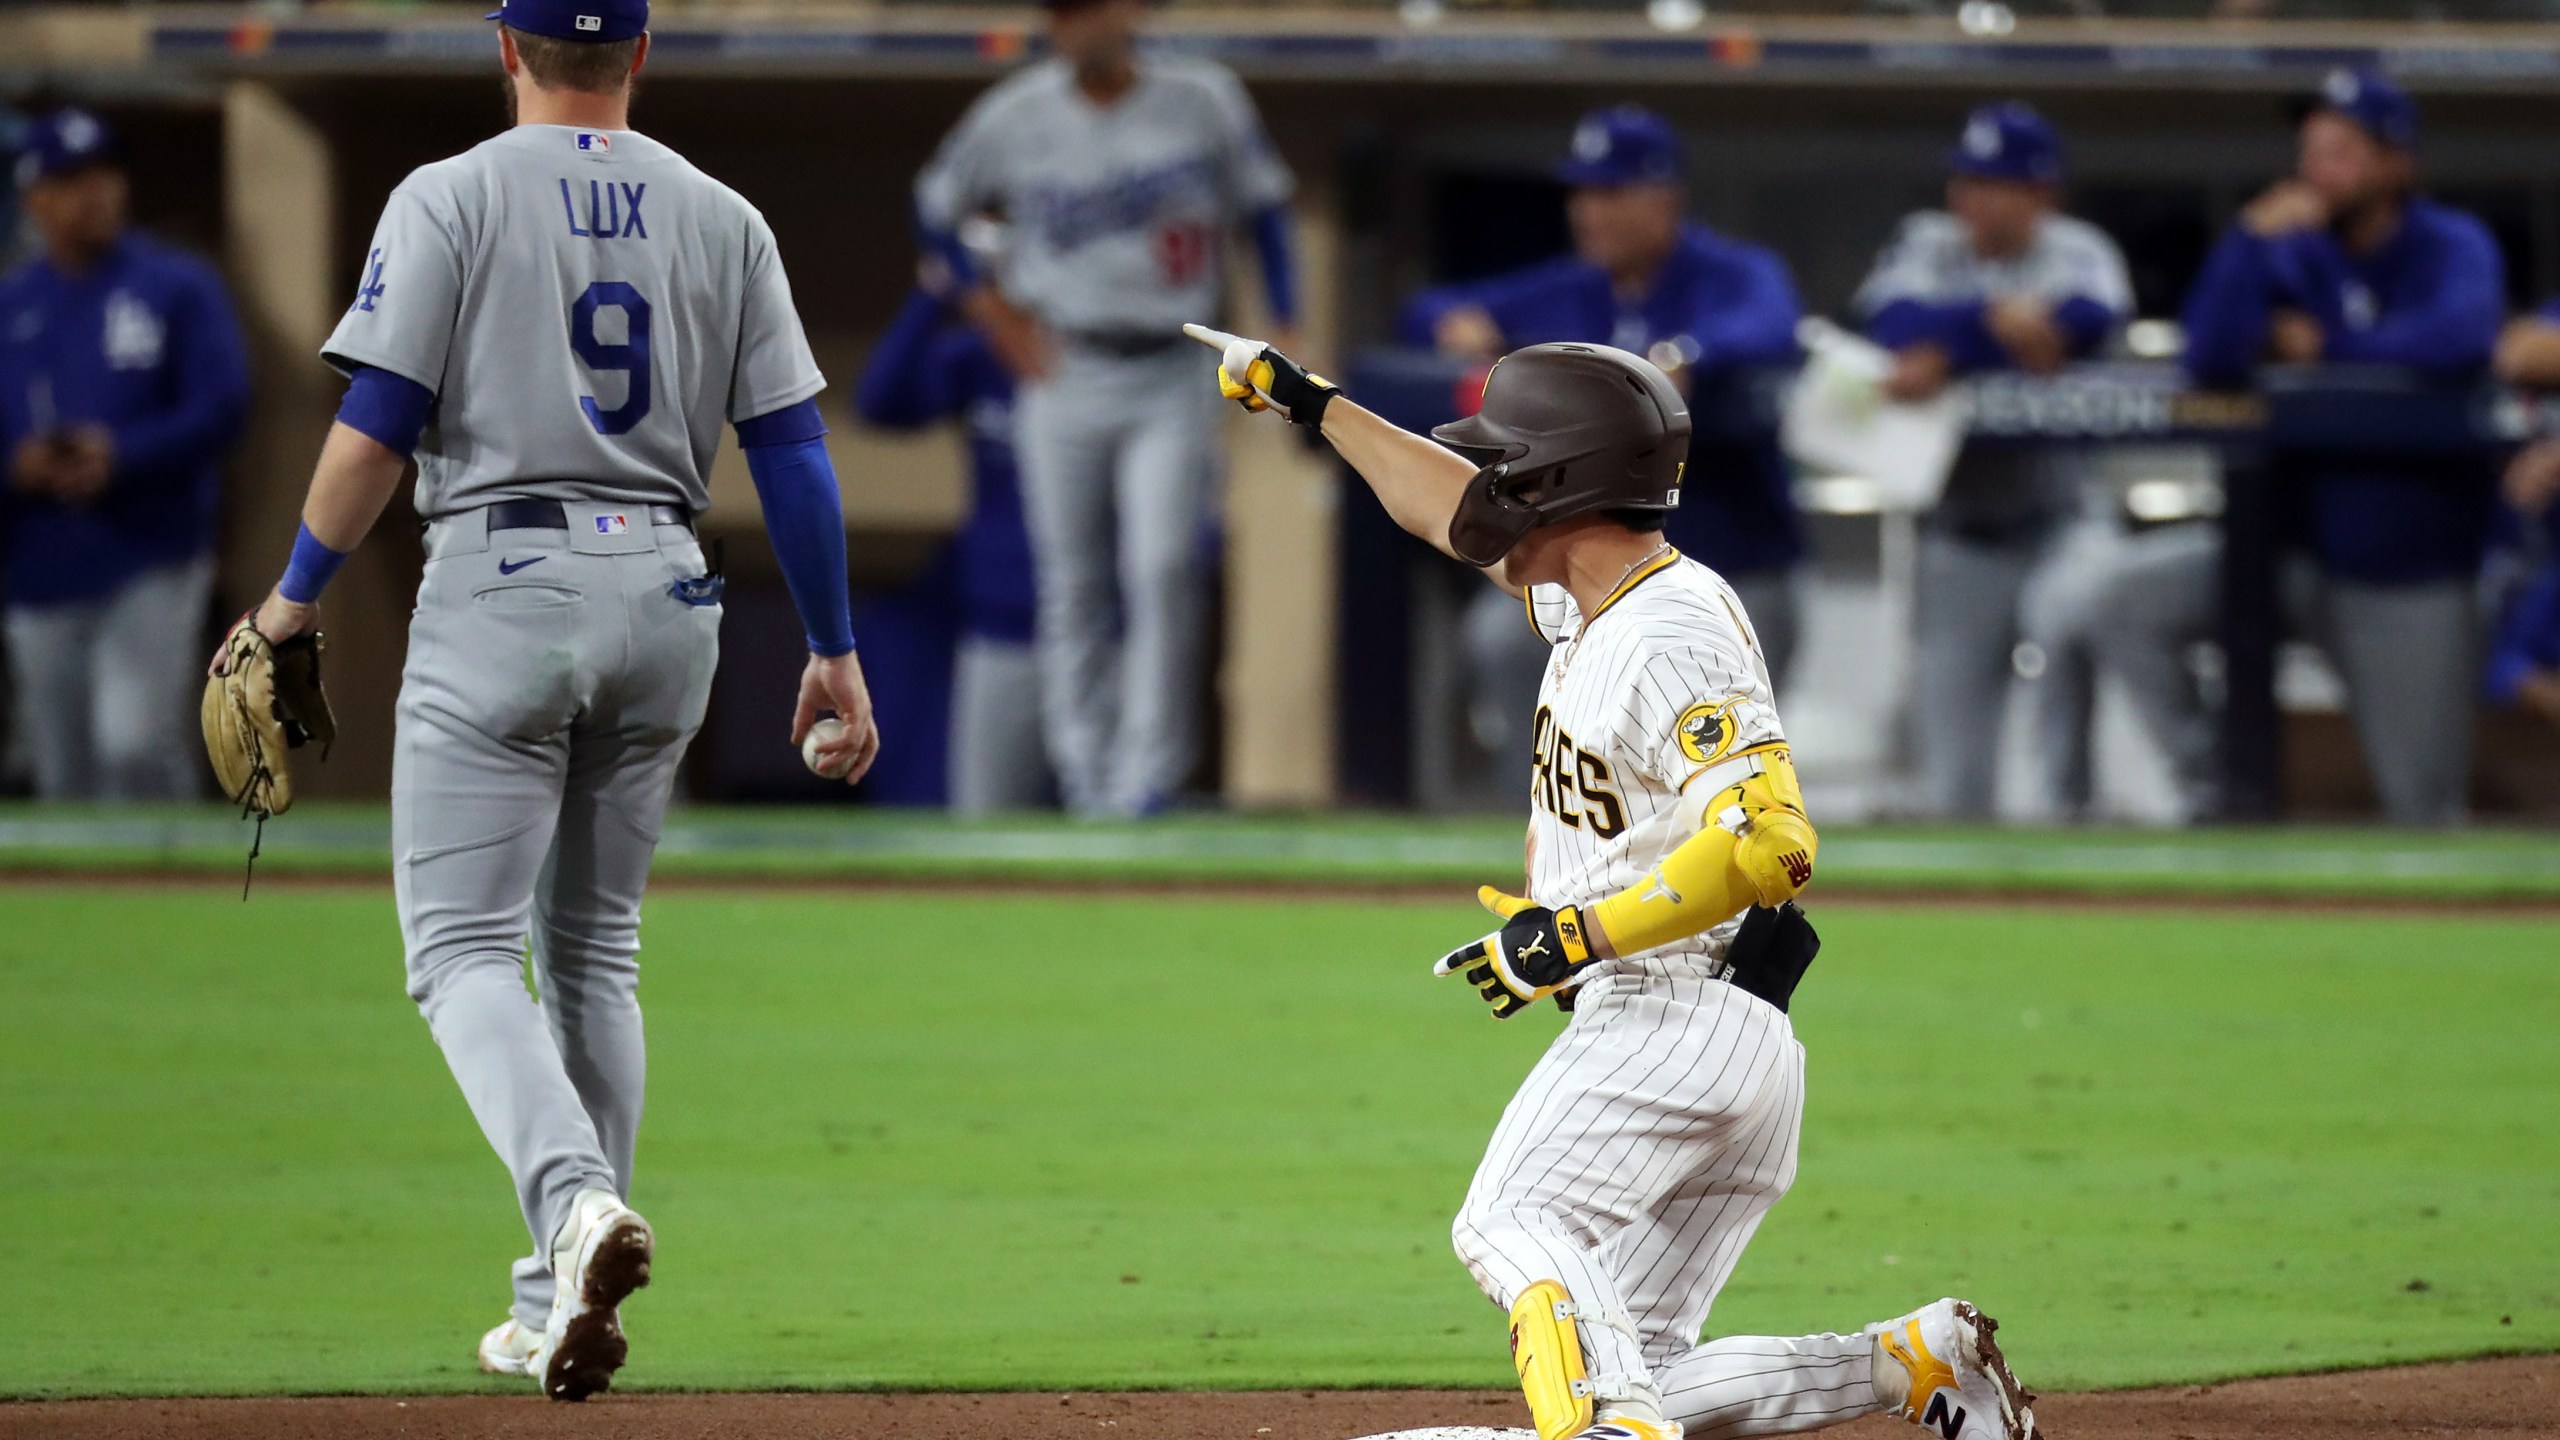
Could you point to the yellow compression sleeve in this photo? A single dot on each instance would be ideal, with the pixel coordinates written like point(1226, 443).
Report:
point(1756, 847)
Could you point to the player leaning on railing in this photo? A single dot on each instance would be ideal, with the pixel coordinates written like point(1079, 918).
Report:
point(1667, 842)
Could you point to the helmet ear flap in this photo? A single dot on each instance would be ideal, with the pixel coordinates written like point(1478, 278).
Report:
point(1489, 521)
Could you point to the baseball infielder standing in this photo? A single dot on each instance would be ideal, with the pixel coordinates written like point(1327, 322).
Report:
point(1123, 177)
point(1667, 840)
point(556, 323)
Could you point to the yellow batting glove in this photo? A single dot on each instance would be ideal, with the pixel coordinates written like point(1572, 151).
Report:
point(1244, 394)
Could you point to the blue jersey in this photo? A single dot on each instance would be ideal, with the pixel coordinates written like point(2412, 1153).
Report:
point(2528, 638)
point(927, 368)
point(143, 344)
point(2431, 298)
point(1727, 306)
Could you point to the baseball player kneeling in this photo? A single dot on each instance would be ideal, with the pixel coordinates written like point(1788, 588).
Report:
point(1667, 843)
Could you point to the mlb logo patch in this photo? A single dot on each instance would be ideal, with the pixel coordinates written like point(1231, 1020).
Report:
point(613, 525)
point(595, 144)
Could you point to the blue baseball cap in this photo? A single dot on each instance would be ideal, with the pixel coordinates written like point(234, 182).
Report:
point(597, 22)
point(2379, 108)
point(2008, 141)
point(64, 142)
point(1623, 145)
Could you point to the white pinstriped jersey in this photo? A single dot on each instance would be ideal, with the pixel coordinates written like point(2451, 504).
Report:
point(1663, 686)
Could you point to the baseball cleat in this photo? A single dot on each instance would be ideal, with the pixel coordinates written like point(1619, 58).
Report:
point(1960, 1386)
point(602, 1255)
point(1628, 1428)
point(1546, 1348)
point(508, 1349)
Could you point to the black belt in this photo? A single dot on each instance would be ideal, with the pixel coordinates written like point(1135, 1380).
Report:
point(552, 515)
point(1126, 344)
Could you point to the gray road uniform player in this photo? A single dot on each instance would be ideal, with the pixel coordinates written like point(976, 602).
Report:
point(2003, 519)
point(589, 309)
point(1121, 214)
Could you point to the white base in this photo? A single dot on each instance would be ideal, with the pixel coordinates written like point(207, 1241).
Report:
point(1458, 1432)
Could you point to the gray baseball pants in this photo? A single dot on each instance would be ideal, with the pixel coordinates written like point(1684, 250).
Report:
point(1965, 634)
point(553, 682)
point(997, 762)
point(2409, 654)
point(1119, 457)
point(105, 688)
point(2061, 614)
point(2159, 596)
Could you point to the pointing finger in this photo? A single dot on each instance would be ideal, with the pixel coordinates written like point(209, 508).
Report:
point(1215, 339)
point(1464, 955)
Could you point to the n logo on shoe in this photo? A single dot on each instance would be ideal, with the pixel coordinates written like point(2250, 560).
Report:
point(1948, 1418)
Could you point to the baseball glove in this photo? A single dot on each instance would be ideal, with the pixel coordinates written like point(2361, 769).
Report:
point(266, 700)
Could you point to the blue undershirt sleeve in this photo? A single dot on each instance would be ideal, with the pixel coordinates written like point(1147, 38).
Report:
point(900, 386)
point(2226, 311)
point(804, 518)
point(1956, 326)
point(2085, 323)
point(1272, 241)
point(935, 240)
point(390, 408)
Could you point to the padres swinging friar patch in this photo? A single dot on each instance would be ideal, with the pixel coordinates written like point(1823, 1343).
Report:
point(1707, 729)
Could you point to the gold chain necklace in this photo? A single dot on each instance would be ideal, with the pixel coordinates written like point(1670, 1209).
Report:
point(1564, 661)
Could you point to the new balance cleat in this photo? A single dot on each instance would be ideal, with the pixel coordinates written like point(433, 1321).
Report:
point(1959, 1386)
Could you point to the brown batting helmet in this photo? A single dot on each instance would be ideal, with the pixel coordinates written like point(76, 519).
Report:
point(1564, 430)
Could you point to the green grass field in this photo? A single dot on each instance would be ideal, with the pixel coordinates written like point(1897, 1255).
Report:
point(1367, 851)
point(963, 1140)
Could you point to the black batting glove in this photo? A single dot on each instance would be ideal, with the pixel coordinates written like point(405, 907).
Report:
point(1536, 953)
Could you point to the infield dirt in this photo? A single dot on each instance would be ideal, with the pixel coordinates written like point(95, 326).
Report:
point(2481, 1398)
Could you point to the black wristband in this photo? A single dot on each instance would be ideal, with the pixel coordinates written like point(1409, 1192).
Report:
point(1297, 391)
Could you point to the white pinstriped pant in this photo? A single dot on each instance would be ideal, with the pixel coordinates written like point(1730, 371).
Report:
point(1633, 1166)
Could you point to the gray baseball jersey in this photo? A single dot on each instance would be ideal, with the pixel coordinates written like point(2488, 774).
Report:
point(1120, 212)
point(1931, 260)
point(588, 307)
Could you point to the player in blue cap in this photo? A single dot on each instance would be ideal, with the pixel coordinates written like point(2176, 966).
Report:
point(2524, 658)
point(123, 384)
point(2524, 661)
point(1123, 171)
point(1999, 280)
point(1705, 307)
point(555, 325)
point(2347, 262)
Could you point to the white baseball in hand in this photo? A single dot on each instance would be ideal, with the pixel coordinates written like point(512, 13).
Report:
point(828, 732)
